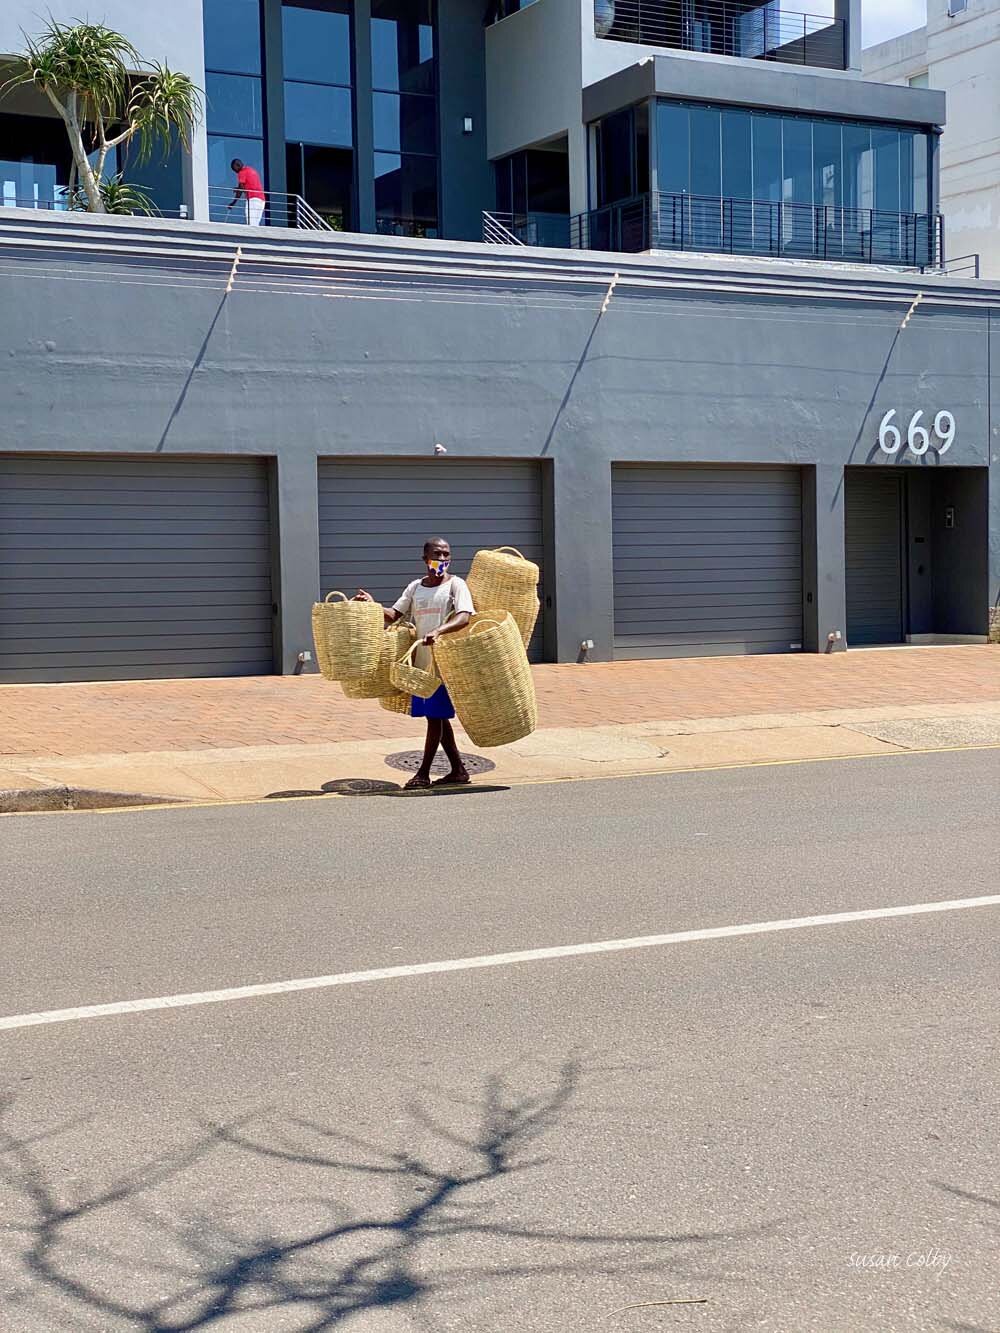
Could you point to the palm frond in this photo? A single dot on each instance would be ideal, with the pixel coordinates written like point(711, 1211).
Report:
point(88, 59)
point(117, 195)
point(164, 103)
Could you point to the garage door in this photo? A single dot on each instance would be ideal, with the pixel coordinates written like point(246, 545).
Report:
point(116, 569)
point(874, 556)
point(707, 561)
point(375, 517)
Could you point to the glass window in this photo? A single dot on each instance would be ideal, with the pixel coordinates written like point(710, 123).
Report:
point(766, 158)
point(403, 46)
point(827, 168)
point(885, 149)
point(706, 152)
point(404, 124)
point(318, 114)
point(641, 149)
point(27, 183)
point(921, 154)
point(234, 104)
point(906, 171)
point(316, 41)
point(502, 170)
point(615, 146)
point(405, 195)
point(222, 149)
point(919, 80)
point(232, 35)
point(796, 174)
point(737, 171)
point(858, 182)
point(673, 148)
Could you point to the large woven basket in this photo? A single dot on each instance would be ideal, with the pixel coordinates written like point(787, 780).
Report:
point(504, 580)
point(485, 668)
point(347, 636)
point(396, 640)
point(412, 679)
point(396, 703)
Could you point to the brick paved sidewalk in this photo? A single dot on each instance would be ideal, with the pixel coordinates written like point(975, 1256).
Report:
point(132, 717)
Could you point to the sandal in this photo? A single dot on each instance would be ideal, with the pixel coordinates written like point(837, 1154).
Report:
point(417, 783)
point(453, 780)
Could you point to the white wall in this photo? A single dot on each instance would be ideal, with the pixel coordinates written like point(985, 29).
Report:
point(169, 32)
point(962, 58)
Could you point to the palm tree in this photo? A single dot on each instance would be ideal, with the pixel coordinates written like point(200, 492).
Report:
point(107, 95)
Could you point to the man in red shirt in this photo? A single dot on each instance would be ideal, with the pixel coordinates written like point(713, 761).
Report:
point(250, 188)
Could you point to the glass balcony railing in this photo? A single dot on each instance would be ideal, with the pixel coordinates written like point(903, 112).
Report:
point(726, 28)
point(768, 228)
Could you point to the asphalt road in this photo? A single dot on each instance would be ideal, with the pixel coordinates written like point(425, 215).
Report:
point(796, 1129)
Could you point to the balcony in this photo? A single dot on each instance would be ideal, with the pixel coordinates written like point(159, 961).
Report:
point(726, 28)
point(767, 228)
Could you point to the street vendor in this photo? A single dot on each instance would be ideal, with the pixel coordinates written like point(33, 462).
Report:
point(437, 604)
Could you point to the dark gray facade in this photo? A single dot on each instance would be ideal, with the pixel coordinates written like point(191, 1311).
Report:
point(119, 338)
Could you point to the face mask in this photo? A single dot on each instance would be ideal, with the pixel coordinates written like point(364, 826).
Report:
point(439, 567)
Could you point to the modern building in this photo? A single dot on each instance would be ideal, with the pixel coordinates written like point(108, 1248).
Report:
point(714, 376)
point(958, 52)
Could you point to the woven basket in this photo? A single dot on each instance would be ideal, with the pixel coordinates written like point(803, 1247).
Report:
point(504, 580)
point(347, 636)
point(485, 668)
point(396, 703)
point(396, 640)
point(411, 679)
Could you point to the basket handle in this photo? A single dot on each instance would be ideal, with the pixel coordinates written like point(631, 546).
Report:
point(511, 548)
point(408, 655)
point(336, 594)
point(488, 622)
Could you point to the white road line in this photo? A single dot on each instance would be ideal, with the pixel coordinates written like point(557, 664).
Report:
point(484, 960)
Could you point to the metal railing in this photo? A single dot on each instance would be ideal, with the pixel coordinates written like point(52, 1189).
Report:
point(967, 265)
point(754, 227)
point(276, 209)
point(498, 229)
point(727, 28)
point(546, 229)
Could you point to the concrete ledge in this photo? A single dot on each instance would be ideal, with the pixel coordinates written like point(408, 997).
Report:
point(34, 800)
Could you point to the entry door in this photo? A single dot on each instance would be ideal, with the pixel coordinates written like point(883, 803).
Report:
point(873, 530)
point(118, 569)
point(375, 517)
point(324, 178)
point(707, 560)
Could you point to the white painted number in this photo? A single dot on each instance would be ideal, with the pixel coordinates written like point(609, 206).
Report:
point(944, 426)
point(915, 433)
point(918, 438)
point(887, 432)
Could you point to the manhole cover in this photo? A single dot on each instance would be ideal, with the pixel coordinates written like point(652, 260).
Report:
point(408, 761)
point(359, 787)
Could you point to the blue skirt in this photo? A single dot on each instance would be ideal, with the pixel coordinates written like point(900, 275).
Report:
point(439, 705)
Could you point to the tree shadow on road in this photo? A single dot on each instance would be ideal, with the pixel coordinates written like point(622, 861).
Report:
point(389, 1227)
point(957, 1326)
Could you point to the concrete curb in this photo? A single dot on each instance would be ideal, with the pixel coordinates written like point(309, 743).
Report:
point(35, 800)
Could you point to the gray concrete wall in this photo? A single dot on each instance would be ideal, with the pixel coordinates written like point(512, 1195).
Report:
point(501, 367)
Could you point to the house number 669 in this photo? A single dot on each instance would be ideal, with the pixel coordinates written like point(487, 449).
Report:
point(918, 438)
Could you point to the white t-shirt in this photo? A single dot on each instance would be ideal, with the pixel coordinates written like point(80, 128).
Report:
point(428, 608)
